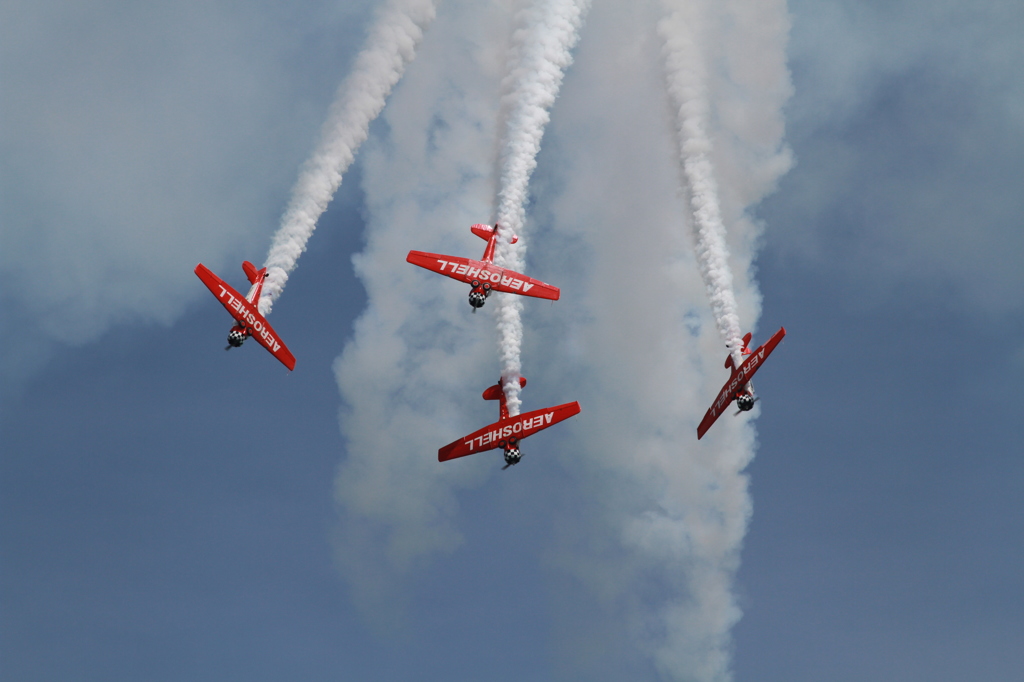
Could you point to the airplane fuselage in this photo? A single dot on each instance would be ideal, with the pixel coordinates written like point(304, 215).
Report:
point(239, 333)
point(481, 289)
point(507, 436)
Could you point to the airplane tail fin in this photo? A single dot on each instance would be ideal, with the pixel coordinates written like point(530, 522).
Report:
point(485, 232)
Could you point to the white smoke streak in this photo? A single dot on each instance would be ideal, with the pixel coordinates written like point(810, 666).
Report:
point(389, 48)
point(687, 78)
point(540, 51)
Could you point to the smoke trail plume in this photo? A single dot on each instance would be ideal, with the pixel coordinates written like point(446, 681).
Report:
point(687, 85)
point(540, 52)
point(389, 48)
point(639, 528)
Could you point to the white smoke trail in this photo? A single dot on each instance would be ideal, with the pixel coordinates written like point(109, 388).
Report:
point(687, 78)
point(540, 51)
point(657, 528)
point(389, 48)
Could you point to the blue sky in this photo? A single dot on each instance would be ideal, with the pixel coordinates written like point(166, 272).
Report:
point(171, 511)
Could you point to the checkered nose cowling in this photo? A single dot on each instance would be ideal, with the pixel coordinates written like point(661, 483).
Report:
point(512, 456)
point(236, 338)
point(476, 299)
point(745, 402)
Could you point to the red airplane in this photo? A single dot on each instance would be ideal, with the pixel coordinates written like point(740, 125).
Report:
point(243, 309)
point(738, 387)
point(507, 431)
point(483, 275)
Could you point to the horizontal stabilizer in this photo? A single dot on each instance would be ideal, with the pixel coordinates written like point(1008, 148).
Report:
point(250, 271)
point(729, 364)
point(485, 232)
point(496, 392)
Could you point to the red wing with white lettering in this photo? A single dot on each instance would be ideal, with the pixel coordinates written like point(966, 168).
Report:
point(250, 322)
point(445, 265)
point(506, 433)
point(722, 402)
point(486, 276)
point(738, 386)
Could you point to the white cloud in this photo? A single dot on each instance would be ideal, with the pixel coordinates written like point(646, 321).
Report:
point(907, 123)
point(412, 374)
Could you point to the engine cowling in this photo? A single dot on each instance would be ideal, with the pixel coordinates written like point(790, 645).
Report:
point(512, 456)
point(511, 448)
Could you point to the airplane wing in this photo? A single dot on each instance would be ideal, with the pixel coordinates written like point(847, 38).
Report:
point(467, 269)
point(520, 426)
point(722, 402)
point(738, 379)
point(247, 315)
